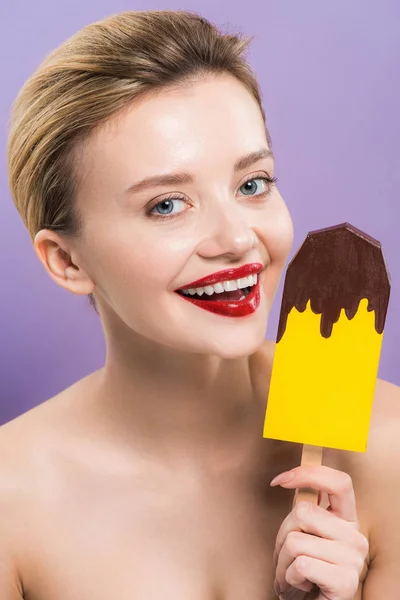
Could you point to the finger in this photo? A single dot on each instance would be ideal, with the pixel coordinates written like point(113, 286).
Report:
point(292, 593)
point(337, 484)
point(302, 544)
point(333, 581)
point(315, 520)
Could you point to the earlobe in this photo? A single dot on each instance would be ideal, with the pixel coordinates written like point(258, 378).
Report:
point(77, 281)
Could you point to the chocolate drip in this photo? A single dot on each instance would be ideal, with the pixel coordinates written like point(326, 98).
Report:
point(335, 268)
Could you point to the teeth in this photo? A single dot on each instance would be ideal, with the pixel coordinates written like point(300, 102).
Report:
point(218, 288)
point(223, 286)
point(230, 286)
point(209, 290)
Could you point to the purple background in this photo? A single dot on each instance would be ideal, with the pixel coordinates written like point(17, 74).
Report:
point(329, 73)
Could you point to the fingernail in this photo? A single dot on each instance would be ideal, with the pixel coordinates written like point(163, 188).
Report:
point(277, 589)
point(282, 478)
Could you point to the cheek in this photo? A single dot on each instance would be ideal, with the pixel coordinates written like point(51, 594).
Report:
point(127, 262)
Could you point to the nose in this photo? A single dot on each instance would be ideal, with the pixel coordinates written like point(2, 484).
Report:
point(228, 231)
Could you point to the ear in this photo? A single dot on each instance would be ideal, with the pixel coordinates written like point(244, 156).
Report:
point(54, 252)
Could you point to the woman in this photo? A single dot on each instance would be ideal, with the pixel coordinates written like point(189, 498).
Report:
point(140, 162)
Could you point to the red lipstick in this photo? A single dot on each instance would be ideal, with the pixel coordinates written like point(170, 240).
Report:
point(228, 308)
point(225, 275)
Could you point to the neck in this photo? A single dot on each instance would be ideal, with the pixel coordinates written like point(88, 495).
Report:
point(174, 404)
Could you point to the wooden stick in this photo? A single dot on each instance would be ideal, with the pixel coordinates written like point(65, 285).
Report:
point(312, 455)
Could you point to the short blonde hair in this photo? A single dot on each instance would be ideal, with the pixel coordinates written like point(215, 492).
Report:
point(87, 80)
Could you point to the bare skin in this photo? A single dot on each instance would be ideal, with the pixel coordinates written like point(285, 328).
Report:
point(150, 477)
point(82, 517)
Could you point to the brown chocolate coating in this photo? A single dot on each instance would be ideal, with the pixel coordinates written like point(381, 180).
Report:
point(335, 268)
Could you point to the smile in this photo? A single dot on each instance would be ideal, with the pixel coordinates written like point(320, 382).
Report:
point(220, 287)
point(232, 298)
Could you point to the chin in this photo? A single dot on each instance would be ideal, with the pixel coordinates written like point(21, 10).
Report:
point(239, 349)
point(235, 342)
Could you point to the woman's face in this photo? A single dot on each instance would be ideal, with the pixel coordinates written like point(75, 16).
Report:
point(138, 247)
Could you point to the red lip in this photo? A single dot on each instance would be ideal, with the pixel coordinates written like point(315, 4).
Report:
point(235, 308)
point(224, 275)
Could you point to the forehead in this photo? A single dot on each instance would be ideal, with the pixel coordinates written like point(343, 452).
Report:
point(207, 123)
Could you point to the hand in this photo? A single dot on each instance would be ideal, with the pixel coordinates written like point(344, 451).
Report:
point(320, 546)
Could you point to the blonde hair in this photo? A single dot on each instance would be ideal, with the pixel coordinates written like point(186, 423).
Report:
point(90, 78)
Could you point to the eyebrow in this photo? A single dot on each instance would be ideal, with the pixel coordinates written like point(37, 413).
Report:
point(179, 178)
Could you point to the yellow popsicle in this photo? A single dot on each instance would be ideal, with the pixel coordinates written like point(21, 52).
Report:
point(329, 340)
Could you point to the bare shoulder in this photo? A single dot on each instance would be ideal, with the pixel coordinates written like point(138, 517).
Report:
point(379, 466)
point(386, 404)
point(381, 481)
point(376, 480)
point(383, 449)
point(33, 441)
point(12, 490)
point(26, 450)
point(24, 439)
point(33, 447)
point(382, 458)
point(31, 451)
point(19, 475)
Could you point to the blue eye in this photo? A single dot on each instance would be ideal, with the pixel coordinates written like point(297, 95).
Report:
point(166, 206)
point(251, 186)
